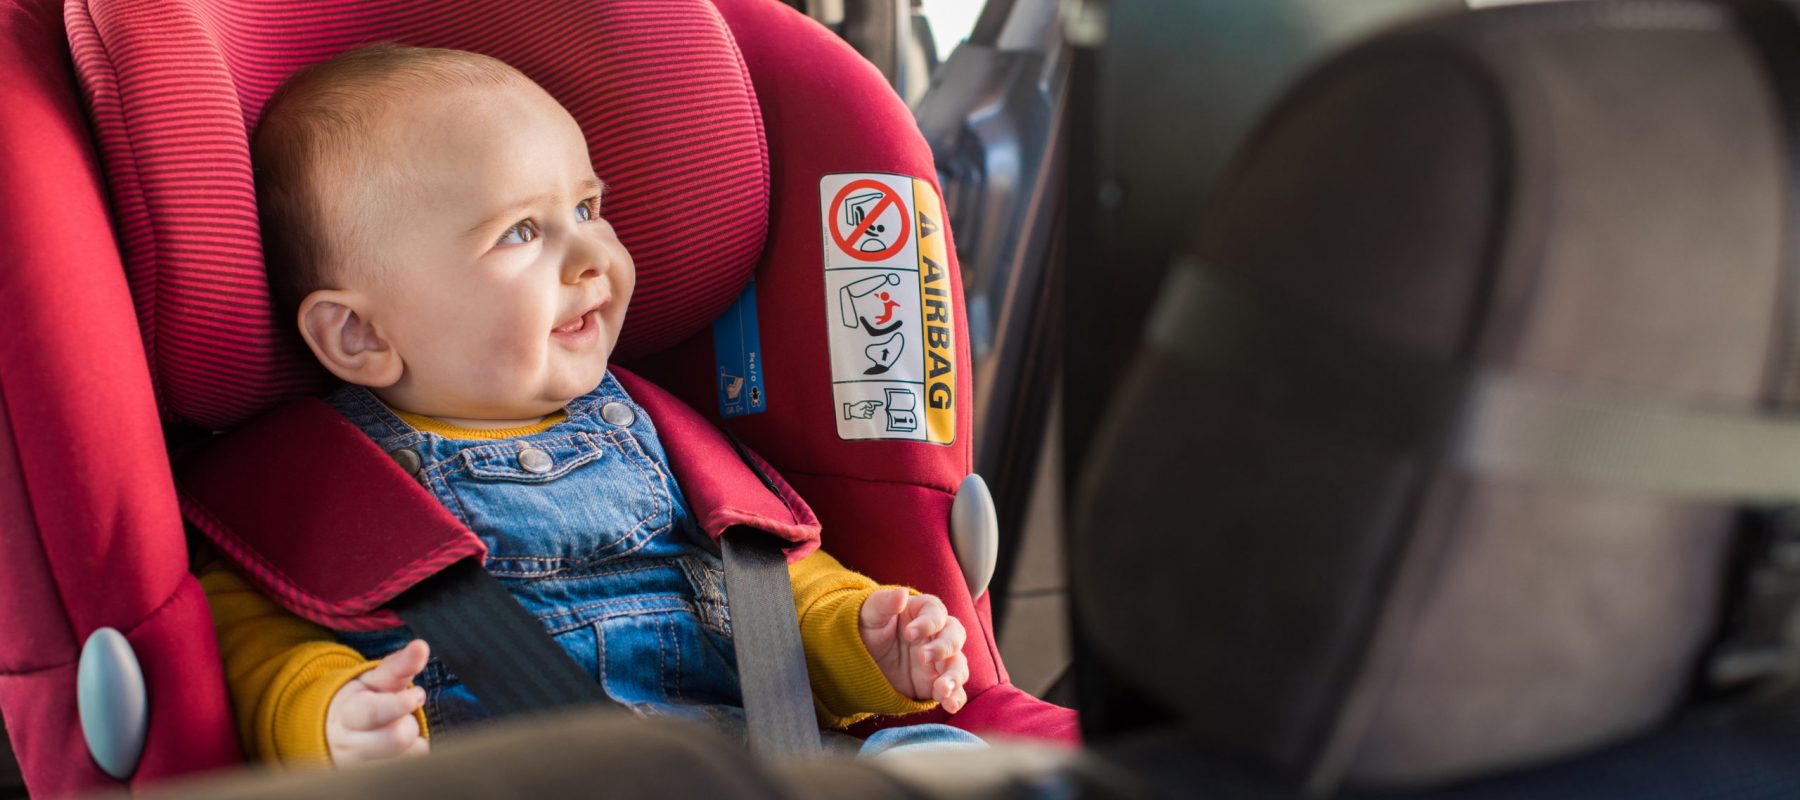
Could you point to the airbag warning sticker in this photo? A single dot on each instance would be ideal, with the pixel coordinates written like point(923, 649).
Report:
point(888, 309)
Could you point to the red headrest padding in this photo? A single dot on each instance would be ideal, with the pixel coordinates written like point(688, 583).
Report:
point(174, 87)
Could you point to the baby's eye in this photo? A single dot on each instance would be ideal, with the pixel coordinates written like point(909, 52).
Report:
point(519, 234)
point(588, 210)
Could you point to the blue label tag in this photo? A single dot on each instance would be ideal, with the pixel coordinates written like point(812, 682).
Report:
point(738, 348)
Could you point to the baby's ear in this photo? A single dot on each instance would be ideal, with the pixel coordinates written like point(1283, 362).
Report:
point(334, 326)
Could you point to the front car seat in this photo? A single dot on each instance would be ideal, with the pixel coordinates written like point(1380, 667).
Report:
point(1444, 429)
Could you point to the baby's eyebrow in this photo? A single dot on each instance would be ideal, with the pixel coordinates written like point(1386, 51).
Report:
point(583, 188)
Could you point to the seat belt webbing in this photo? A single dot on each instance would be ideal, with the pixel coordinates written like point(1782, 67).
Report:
point(492, 644)
point(771, 663)
point(776, 689)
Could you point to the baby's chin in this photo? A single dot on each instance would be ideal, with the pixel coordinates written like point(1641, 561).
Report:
point(553, 399)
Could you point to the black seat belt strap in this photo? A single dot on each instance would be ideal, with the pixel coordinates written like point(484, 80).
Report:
point(493, 644)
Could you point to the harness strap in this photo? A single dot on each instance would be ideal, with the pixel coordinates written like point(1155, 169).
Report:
point(766, 631)
point(771, 664)
point(492, 644)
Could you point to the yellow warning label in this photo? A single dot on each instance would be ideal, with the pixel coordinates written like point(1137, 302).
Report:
point(939, 325)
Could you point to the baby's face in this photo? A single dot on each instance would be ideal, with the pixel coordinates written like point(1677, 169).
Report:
point(502, 286)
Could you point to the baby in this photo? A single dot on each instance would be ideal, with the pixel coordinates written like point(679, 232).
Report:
point(434, 225)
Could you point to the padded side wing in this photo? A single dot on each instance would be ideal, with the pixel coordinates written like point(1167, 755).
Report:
point(88, 516)
point(884, 505)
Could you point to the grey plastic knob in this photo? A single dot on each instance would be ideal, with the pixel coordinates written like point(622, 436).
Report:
point(109, 693)
point(975, 533)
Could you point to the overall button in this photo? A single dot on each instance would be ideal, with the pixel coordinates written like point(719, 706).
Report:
point(535, 460)
point(408, 459)
point(618, 414)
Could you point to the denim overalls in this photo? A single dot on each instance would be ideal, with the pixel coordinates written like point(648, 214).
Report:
point(586, 527)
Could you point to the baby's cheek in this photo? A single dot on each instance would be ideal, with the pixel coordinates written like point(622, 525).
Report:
point(518, 339)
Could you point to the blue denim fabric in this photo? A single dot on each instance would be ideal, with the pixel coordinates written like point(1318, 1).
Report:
point(917, 739)
point(599, 547)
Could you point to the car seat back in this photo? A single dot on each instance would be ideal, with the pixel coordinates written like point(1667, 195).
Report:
point(1360, 437)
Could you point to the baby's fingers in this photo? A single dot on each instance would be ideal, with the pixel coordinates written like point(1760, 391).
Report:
point(940, 648)
point(929, 617)
point(399, 737)
point(948, 688)
point(398, 668)
point(367, 711)
point(881, 606)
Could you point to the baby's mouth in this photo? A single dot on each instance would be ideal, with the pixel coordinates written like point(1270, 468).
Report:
point(578, 324)
point(589, 319)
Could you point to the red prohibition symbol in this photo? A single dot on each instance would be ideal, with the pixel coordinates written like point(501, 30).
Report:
point(888, 197)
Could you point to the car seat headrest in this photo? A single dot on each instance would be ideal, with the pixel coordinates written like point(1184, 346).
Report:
point(1425, 228)
point(174, 87)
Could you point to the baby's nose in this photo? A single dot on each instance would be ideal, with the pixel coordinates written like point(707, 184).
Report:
point(585, 261)
point(587, 272)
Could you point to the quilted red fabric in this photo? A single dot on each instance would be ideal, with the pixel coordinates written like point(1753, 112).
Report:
point(174, 86)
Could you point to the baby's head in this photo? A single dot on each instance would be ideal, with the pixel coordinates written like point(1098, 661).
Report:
point(432, 221)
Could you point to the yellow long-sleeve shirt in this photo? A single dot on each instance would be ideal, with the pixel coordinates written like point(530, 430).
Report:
point(282, 671)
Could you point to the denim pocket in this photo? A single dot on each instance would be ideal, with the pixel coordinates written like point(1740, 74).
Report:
point(705, 574)
point(549, 506)
point(656, 660)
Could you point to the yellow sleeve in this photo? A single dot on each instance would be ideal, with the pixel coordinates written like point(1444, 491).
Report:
point(280, 670)
point(847, 684)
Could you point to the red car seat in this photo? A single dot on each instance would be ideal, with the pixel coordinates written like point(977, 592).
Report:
point(136, 300)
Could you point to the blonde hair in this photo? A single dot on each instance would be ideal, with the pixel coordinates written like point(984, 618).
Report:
point(314, 129)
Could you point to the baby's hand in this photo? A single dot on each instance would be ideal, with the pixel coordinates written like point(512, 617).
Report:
point(918, 646)
point(371, 718)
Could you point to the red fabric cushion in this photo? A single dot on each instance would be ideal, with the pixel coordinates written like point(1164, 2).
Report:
point(826, 110)
point(884, 505)
point(88, 524)
point(318, 517)
point(173, 86)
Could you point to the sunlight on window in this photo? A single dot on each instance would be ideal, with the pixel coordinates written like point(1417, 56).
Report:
point(951, 21)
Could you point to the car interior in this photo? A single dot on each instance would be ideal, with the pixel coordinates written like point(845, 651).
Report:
point(1315, 398)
